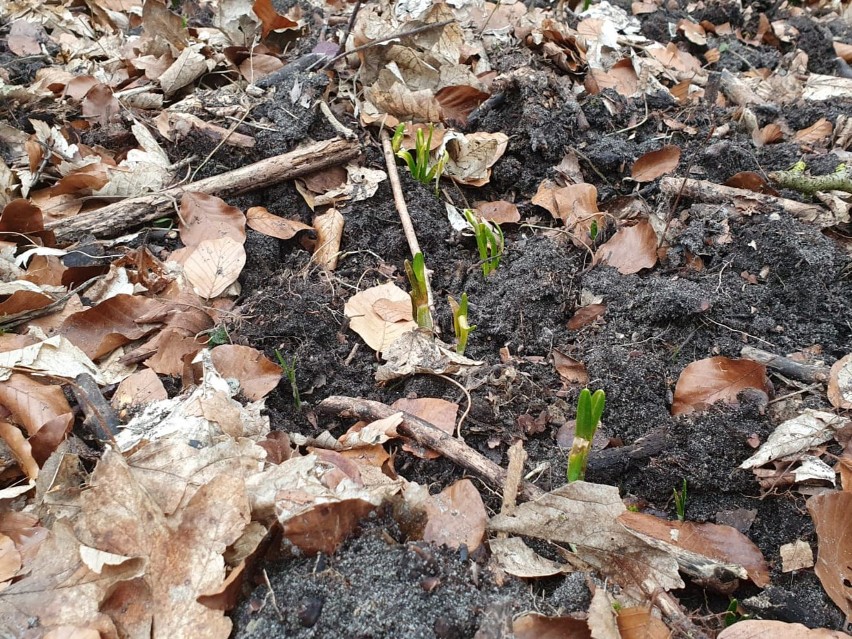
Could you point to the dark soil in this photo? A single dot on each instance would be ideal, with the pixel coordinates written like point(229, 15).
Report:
point(381, 584)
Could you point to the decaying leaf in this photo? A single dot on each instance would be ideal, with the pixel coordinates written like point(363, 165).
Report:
point(797, 435)
point(840, 383)
point(262, 221)
point(586, 315)
point(631, 249)
point(472, 155)
point(370, 324)
point(417, 351)
point(771, 629)
point(456, 516)
point(576, 205)
point(329, 228)
point(518, 559)
point(438, 412)
point(258, 376)
point(716, 379)
point(796, 556)
point(571, 371)
point(656, 164)
point(103, 328)
point(831, 512)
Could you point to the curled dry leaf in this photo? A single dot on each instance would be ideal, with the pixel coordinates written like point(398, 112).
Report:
point(214, 265)
point(329, 228)
point(270, 19)
point(656, 163)
point(716, 379)
point(258, 376)
point(262, 221)
point(751, 181)
point(366, 320)
point(472, 155)
point(770, 629)
point(631, 249)
point(831, 513)
point(456, 516)
point(576, 205)
point(840, 383)
point(419, 352)
point(518, 559)
point(570, 370)
point(797, 435)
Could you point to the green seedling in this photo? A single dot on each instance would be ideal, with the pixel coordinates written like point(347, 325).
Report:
point(589, 410)
point(593, 230)
point(416, 272)
point(680, 501)
point(218, 336)
point(460, 324)
point(733, 614)
point(489, 240)
point(419, 162)
point(290, 373)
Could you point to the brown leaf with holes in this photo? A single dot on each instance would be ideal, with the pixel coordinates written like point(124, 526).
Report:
point(656, 164)
point(207, 217)
point(262, 221)
point(716, 379)
point(831, 513)
point(631, 249)
point(258, 376)
point(112, 323)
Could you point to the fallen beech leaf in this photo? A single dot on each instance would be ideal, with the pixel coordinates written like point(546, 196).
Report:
point(719, 543)
point(438, 412)
point(171, 349)
point(570, 370)
point(458, 101)
point(767, 135)
point(112, 323)
point(40, 409)
point(518, 559)
point(840, 383)
point(716, 379)
point(602, 614)
point(796, 556)
point(214, 265)
point(456, 516)
point(797, 435)
point(830, 513)
point(376, 432)
point(586, 315)
point(501, 212)
point(751, 181)
point(693, 32)
point(17, 443)
point(631, 249)
point(189, 66)
point(262, 221)
point(100, 105)
point(416, 352)
point(576, 205)
point(639, 623)
point(377, 332)
point(536, 626)
point(258, 376)
point(207, 217)
point(655, 164)
point(817, 132)
point(329, 228)
point(768, 629)
point(675, 59)
point(142, 387)
point(472, 155)
point(270, 19)
point(585, 515)
point(158, 21)
point(25, 38)
point(621, 77)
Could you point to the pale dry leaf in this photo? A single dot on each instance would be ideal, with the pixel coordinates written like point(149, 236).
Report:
point(10, 560)
point(716, 379)
point(586, 515)
point(25, 38)
point(262, 221)
point(207, 217)
point(830, 513)
point(417, 352)
point(656, 164)
point(376, 432)
point(796, 556)
point(840, 383)
point(214, 265)
point(518, 559)
point(576, 205)
point(190, 65)
point(797, 435)
point(770, 629)
point(602, 616)
point(329, 228)
point(472, 155)
point(139, 388)
point(536, 626)
point(55, 356)
point(456, 517)
point(631, 249)
point(638, 622)
point(258, 376)
point(377, 332)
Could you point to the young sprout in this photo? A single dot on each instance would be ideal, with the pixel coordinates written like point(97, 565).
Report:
point(416, 272)
point(290, 373)
point(460, 324)
point(589, 410)
point(489, 240)
point(680, 501)
point(418, 162)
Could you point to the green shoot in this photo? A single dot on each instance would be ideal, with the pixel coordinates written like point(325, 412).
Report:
point(419, 291)
point(593, 230)
point(733, 614)
point(218, 336)
point(460, 324)
point(489, 240)
point(290, 373)
point(589, 410)
point(419, 162)
point(680, 501)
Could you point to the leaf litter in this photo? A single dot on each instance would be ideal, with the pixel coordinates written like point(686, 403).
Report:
point(548, 119)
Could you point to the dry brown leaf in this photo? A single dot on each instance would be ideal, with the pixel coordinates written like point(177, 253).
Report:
point(796, 556)
point(456, 516)
point(621, 77)
point(817, 132)
point(270, 19)
point(377, 332)
point(716, 379)
point(214, 265)
point(189, 66)
point(112, 323)
point(501, 212)
point(183, 551)
point(720, 543)
point(830, 513)
point(159, 22)
point(631, 249)
point(570, 370)
point(518, 559)
point(769, 134)
point(61, 590)
point(769, 629)
point(536, 626)
point(172, 348)
point(674, 59)
point(337, 520)
point(472, 155)
point(656, 163)
point(458, 101)
point(100, 105)
point(20, 448)
point(258, 376)
point(142, 387)
point(207, 217)
point(24, 300)
point(25, 38)
point(840, 383)
point(329, 228)
point(639, 623)
point(576, 205)
point(263, 221)
point(751, 181)
point(438, 412)
point(586, 515)
point(21, 216)
point(586, 315)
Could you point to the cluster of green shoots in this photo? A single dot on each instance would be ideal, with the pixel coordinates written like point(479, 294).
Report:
point(416, 272)
point(589, 410)
point(489, 240)
point(419, 163)
point(289, 369)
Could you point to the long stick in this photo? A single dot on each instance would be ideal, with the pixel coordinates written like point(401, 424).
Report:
point(116, 219)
